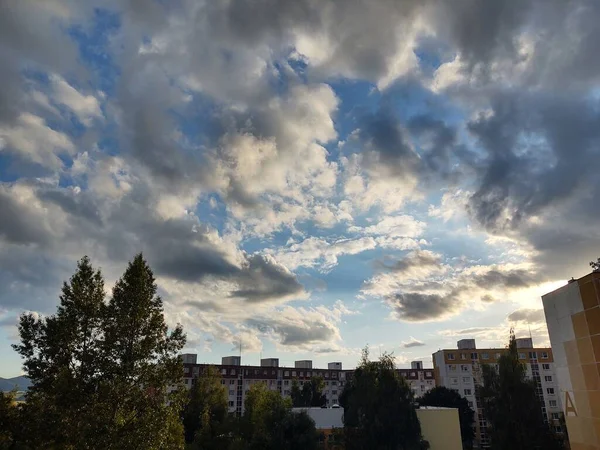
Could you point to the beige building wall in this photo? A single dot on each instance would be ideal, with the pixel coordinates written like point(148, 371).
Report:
point(441, 427)
point(573, 318)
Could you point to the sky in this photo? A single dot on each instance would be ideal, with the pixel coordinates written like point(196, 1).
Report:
point(305, 178)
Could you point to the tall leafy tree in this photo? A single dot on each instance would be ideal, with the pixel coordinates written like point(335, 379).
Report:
point(100, 372)
point(205, 413)
point(142, 362)
point(379, 411)
point(448, 398)
point(63, 358)
point(9, 421)
point(512, 407)
point(268, 423)
point(310, 395)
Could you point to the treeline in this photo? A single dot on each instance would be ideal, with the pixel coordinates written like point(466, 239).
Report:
point(106, 374)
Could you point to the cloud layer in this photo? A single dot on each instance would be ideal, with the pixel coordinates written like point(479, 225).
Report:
point(269, 158)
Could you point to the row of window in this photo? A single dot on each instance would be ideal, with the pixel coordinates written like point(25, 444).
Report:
point(485, 355)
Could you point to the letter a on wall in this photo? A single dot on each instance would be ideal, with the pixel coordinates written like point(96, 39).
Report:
point(569, 405)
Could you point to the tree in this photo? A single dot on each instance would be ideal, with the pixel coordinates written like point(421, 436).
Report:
point(63, 358)
point(268, 423)
point(9, 420)
point(379, 413)
point(141, 363)
point(205, 414)
point(448, 398)
point(311, 394)
point(512, 408)
point(100, 372)
point(595, 265)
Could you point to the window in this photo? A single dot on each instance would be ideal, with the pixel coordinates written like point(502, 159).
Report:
point(222, 381)
point(326, 374)
point(287, 373)
point(293, 373)
point(231, 392)
point(522, 356)
point(464, 368)
point(334, 374)
point(552, 403)
point(485, 356)
point(231, 404)
point(463, 356)
point(544, 355)
point(470, 403)
point(497, 355)
point(454, 380)
point(451, 367)
point(334, 383)
point(430, 382)
point(450, 356)
point(232, 372)
point(186, 370)
point(474, 356)
point(532, 355)
point(231, 382)
point(308, 374)
point(554, 416)
point(327, 383)
point(550, 391)
point(413, 374)
point(546, 366)
point(301, 374)
point(557, 429)
point(466, 380)
point(333, 392)
point(468, 392)
point(223, 371)
point(548, 378)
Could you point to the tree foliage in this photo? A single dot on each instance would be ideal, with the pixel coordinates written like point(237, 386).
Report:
point(100, 370)
point(268, 423)
point(595, 265)
point(205, 414)
point(448, 398)
point(310, 395)
point(512, 408)
point(379, 412)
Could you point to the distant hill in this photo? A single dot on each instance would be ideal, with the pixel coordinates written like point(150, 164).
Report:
point(18, 383)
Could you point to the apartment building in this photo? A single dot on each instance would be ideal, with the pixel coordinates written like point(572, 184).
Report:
point(238, 378)
point(460, 369)
point(573, 318)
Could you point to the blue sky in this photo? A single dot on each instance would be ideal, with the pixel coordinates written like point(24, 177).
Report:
point(305, 179)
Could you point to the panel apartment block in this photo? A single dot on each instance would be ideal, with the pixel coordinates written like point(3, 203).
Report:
point(238, 379)
point(460, 369)
point(573, 318)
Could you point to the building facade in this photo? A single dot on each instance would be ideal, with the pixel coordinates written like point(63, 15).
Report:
point(573, 319)
point(238, 379)
point(460, 369)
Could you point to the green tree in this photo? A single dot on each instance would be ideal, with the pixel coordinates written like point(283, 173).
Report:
point(141, 363)
point(268, 423)
point(512, 408)
point(310, 395)
point(100, 372)
point(9, 420)
point(379, 411)
point(205, 413)
point(448, 398)
point(63, 358)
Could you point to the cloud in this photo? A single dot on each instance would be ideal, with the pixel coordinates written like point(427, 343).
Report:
point(412, 342)
point(417, 307)
point(529, 316)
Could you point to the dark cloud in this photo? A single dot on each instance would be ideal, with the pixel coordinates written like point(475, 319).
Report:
point(528, 316)
point(512, 279)
point(262, 279)
point(296, 332)
point(415, 261)
point(417, 307)
point(413, 343)
point(19, 224)
point(81, 206)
